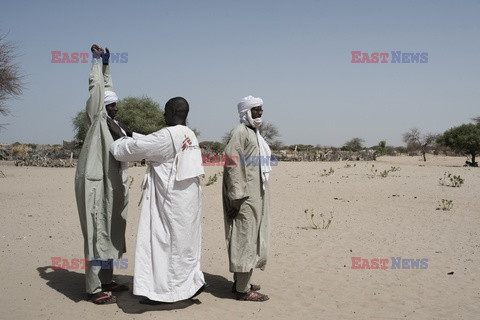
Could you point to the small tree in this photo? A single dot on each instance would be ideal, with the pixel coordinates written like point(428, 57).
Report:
point(10, 78)
point(270, 133)
point(80, 127)
point(355, 144)
point(464, 139)
point(142, 115)
point(415, 141)
point(382, 147)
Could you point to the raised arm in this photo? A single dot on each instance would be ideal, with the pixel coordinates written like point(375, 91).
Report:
point(96, 87)
point(106, 70)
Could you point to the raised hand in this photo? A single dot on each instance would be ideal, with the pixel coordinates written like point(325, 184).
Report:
point(106, 56)
point(97, 51)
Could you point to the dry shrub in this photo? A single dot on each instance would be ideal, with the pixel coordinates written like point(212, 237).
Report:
point(21, 151)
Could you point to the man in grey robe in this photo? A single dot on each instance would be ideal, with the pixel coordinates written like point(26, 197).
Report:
point(101, 188)
point(245, 199)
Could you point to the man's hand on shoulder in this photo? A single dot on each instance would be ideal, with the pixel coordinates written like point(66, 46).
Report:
point(115, 130)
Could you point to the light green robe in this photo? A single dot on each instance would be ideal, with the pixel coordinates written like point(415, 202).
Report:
point(247, 235)
point(101, 186)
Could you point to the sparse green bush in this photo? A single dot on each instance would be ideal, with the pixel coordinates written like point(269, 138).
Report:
point(451, 180)
point(211, 180)
point(445, 205)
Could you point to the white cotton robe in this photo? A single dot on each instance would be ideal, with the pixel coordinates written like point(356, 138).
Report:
point(167, 254)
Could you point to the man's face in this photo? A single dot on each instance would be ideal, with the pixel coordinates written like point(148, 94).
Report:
point(112, 110)
point(256, 112)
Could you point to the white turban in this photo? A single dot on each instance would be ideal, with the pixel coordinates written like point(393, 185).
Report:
point(244, 107)
point(110, 97)
point(248, 103)
point(244, 111)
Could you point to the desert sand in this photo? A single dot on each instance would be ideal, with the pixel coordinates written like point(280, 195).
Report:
point(309, 273)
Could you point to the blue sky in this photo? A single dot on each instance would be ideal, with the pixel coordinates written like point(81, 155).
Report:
point(296, 55)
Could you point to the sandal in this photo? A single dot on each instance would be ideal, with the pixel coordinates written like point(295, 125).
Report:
point(252, 296)
point(102, 298)
point(114, 287)
point(253, 287)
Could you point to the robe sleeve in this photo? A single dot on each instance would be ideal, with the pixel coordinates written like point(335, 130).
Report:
point(235, 175)
point(95, 101)
point(152, 147)
point(107, 79)
point(137, 135)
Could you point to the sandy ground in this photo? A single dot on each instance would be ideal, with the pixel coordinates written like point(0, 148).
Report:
point(309, 273)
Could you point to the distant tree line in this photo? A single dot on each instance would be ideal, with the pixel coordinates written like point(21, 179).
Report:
point(143, 115)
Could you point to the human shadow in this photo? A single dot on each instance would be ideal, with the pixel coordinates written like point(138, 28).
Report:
point(129, 303)
point(219, 286)
point(70, 284)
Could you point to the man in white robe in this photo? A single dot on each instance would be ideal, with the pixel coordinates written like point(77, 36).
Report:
point(245, 199)
point(167, 254)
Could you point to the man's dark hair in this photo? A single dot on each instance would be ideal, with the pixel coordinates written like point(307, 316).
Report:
point(176, 111)
point(179, 105)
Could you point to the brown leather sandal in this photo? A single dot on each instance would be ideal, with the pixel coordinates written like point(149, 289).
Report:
point(252, 296)
point(102, 298)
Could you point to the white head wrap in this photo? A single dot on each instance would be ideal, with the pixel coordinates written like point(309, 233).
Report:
point(244, 107)
point(110, 97)
point(244, 111)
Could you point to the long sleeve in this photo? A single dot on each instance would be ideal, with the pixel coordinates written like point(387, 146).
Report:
point(234, 174)
point(107, 79)
point(95, 101)
point(153, 147)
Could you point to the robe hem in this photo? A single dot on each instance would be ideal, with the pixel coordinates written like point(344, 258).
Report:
point(168, 297)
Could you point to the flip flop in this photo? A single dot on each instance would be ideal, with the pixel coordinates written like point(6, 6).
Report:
point(114, 287)
point(253, 287)
point(102, 298)
point(252, 296)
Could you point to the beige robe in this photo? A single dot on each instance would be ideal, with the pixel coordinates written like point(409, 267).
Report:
point(101, 186)
point(247, 235)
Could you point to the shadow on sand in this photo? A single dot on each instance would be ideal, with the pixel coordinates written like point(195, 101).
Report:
point(72, 285)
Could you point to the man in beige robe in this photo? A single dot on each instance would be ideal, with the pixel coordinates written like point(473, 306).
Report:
point(101, 188)
point(245, 199)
